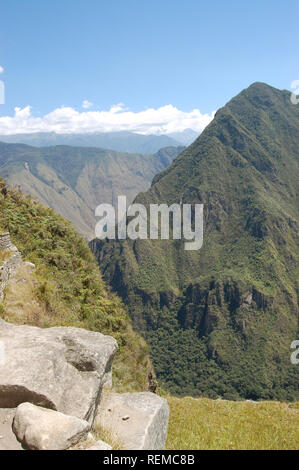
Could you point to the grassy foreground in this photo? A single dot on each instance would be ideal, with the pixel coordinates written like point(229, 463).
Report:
point(226, 425)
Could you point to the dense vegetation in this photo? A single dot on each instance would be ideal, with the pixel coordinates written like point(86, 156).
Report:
point(220, 321)
point(75, 180)
point(68, 288)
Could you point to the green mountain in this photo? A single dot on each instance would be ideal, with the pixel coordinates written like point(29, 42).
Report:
point(74, 180)
point(120, 141)
point(220, 320)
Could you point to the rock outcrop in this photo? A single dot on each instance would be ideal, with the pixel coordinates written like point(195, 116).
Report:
point(139, 421)
point(5, 242)
point(9, 266)
point(60, 368)
point(43, 429)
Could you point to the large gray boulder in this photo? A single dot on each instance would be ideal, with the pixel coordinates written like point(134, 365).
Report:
point(43, 429)
point(137, 421)
point(60, 368)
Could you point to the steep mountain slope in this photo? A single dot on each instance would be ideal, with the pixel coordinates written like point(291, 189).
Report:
point(74, 180)
point(67, 288)
point(221, 320)
point(118, 141)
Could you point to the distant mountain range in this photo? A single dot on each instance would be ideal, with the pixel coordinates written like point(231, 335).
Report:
point(119, 141)
point(220, 321)
point(185, 137)
point(74, 180)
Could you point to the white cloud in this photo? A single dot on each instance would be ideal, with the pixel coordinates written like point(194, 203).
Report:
point(87, 104)
point(163, 120)
point(1, 69)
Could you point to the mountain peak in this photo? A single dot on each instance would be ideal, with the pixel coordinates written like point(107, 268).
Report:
point(262, 95)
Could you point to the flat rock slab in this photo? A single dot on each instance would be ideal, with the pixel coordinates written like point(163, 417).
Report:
point(60, 368)
point(43, 429)
point(139, 421)
point(8, 440)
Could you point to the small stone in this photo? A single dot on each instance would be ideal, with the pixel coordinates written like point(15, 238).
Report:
point(29, 265)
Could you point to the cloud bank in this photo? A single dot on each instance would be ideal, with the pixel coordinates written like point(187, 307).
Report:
point(67, 120)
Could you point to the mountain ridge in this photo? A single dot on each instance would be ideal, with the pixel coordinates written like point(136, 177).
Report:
point(74, 180)
point(121, 141)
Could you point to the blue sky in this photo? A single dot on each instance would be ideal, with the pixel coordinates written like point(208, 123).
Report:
point(190, 54)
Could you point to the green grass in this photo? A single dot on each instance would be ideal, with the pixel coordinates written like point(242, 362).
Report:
point(202, 423)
